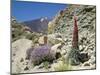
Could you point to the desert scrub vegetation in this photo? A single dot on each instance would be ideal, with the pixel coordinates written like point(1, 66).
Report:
point(46, 65)
point(32, 36)
point(18, 32)
point(63, 65)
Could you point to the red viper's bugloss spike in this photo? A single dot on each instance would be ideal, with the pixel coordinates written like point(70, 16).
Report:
point(75, 34)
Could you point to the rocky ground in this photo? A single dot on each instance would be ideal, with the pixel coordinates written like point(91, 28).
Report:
point(60, 31)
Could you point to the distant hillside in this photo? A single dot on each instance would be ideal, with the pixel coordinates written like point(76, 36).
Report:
point(38, 25)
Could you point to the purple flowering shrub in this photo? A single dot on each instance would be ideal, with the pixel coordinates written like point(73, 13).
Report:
point(40, 54)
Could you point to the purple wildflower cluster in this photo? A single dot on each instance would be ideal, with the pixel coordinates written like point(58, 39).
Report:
point(40, 54)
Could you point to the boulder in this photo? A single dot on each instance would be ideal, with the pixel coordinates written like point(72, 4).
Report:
point(19, 48)
point(54, 39)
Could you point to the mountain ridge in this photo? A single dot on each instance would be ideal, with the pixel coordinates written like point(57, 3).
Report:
point(38, 25)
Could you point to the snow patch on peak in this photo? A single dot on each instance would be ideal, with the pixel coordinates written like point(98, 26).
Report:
point(42, 19)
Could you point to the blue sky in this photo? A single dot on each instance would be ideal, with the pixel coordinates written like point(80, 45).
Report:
point(24, 11)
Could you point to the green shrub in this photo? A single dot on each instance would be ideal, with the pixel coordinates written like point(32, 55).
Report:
point(63, 67)
point(46, 64)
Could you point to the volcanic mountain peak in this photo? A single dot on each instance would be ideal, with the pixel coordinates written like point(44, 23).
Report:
point(43, 19)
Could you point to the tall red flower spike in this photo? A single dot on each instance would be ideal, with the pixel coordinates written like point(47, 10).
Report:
point(75, 34)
